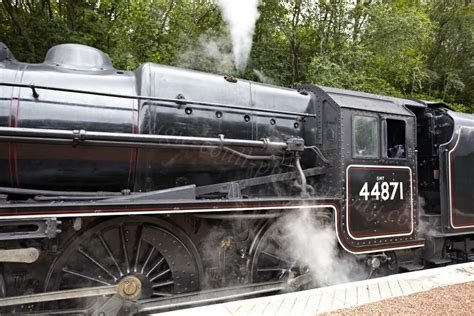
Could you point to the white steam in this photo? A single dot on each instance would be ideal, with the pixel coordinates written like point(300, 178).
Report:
point(315, 245)
point(241, 17)
point(262, 77)
point(209, 53)
point(424, 227)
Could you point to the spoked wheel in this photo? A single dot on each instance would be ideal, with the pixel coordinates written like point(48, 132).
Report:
point(153, 251)
point(271, 260)
point(278, 255)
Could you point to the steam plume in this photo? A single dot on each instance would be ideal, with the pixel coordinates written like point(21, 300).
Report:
point(209, 53)
point(262, 77)
point(240, 16)
point(315, 245)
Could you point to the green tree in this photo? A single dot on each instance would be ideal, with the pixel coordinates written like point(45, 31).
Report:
point(413, 48)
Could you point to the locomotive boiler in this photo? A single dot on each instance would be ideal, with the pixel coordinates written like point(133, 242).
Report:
point(148, 185)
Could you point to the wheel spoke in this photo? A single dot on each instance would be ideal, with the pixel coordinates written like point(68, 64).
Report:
point(84, 276)
point(276, 257)
point(271, 270)
point(271, 260)
point(109, 252)
point(97, 263)
point(159, 275)
point(162, 294)
point(162, 284)
point(139, 246)
point(155, 266)
point(150, 253)
point(124, 248)
point(113, 249)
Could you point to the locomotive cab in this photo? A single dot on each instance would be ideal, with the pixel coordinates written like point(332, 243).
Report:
point(377, 158)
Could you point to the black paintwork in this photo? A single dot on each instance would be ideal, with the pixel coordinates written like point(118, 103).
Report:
point(456, 160)
point(462, 179)
point(114, 169)
point(388, 213)
point(62, 167)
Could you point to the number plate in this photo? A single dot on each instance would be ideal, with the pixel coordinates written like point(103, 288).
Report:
point(379, 201)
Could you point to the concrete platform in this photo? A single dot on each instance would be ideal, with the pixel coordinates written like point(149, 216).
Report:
point(332, 298)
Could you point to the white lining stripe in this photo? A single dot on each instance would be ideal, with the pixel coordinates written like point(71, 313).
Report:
point(187, 211)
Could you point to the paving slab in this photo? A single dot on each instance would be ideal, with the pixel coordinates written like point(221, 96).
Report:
point(327, 299)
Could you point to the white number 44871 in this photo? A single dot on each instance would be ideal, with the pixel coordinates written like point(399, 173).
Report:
point(382, 190)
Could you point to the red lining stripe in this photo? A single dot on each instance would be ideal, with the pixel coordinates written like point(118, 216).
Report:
point(133, 151)
point(15, 162)
point(9, 144)
point(10, 164)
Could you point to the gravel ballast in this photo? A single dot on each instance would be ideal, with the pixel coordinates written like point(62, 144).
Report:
point(448, 300)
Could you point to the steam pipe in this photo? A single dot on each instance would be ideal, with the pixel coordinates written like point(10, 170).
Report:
point(83, 135)
point(304, 185)
point(148, 98)
point(250, 157)
point(58, 141)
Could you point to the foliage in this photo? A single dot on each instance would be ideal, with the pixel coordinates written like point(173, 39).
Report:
point(412, 48)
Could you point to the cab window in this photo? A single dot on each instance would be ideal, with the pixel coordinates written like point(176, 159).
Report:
point(365, 137)
point(395, 142)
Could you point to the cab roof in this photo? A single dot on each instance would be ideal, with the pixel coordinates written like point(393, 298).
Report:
point(371, 102)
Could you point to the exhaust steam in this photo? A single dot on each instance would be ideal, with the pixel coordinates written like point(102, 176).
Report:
point(240, 17)
point(314, 244)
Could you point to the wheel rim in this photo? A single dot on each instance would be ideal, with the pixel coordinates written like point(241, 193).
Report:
point(157, 253)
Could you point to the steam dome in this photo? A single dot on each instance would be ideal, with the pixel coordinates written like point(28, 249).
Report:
point(76, 56)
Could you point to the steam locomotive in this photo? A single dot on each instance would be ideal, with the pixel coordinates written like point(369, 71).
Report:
point(164, 181)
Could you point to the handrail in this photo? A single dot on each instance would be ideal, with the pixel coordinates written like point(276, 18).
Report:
point(36, 95)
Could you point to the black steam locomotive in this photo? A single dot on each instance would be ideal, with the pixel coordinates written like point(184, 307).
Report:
point(166, 181)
